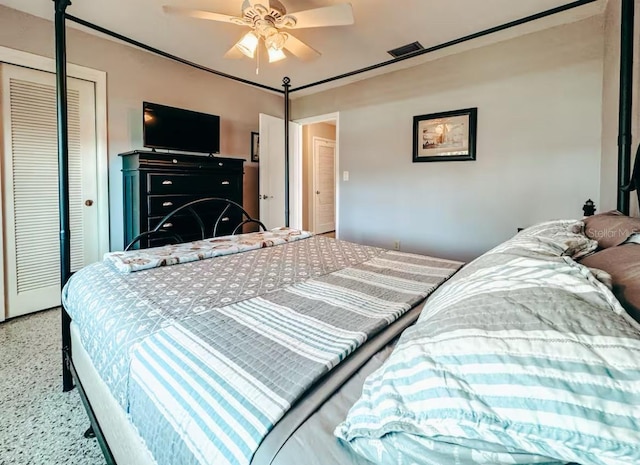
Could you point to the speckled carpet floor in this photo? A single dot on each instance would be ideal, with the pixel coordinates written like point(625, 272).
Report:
point(39, 424)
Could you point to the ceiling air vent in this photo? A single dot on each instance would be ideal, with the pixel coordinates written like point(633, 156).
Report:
point(406, 49)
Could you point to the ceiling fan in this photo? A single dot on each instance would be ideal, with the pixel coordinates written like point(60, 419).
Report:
point(267, 19)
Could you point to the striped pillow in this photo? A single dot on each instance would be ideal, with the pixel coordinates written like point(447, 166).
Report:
point(569, 233)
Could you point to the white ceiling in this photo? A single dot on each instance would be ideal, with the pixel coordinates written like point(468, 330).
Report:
point(380, 25)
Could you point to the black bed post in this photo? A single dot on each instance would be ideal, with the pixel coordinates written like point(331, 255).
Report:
point(286, 83)
point(63, 177)
point(626, 94)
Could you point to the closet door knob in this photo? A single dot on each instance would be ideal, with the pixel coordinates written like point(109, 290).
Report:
point(88, 203)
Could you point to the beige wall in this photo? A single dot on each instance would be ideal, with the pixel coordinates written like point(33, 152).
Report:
point(326, 131)
point(134, 76)
point(539, 100)
point(610, 105)
point(535, 89)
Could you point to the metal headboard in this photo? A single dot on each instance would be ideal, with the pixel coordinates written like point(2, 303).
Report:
point(205, 232)
point(634, 182)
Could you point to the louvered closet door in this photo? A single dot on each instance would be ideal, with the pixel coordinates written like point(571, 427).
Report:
point(31, 232)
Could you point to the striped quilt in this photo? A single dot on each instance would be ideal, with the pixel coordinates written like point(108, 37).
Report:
point(523, 357)
point(213, 385)
point(207, 356)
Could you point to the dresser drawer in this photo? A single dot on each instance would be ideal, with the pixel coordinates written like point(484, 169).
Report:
point(215, 184)
point(161, 205)
point(227, 224)
point(188, 225)
point(159, 241)
point(179, 225)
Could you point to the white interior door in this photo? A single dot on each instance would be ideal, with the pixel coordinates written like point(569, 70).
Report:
point(324, 185)
point(272, 173)
point(30, 186)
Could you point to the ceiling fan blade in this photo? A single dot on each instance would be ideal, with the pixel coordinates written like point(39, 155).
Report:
point(335, 15)
point(234, 53)
point(300, 49)
point(200, 14)
point(255, 2)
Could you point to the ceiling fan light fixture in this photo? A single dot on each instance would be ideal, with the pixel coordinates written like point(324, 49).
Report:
point(276, 41)
point(265, 28)
point(248, 44)
point(275, 55)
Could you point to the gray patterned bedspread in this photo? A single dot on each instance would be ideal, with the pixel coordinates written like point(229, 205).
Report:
point(207, 356)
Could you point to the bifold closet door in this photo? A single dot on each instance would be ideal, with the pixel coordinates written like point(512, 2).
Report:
point(30, 185)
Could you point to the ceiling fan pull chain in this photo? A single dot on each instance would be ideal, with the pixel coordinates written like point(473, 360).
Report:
point(258, 61)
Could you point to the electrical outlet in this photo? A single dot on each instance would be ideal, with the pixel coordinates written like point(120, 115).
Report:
point(396, 245)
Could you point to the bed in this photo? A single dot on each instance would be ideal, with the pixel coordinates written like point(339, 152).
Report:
point(411, 387)
point(276, 290)
point(163, 338)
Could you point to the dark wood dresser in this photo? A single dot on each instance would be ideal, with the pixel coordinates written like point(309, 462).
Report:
point(157, 183)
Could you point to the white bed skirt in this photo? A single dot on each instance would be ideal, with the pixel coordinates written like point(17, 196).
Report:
point(126, 445)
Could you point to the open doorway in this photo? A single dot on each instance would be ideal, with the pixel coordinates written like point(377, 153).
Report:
point(319, 153)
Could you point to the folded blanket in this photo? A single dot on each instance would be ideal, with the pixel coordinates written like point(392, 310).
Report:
point(145, 259)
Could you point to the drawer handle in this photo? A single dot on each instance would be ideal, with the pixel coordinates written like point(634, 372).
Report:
point(167, 204)
point(167, 225)
point(220, 164)
point(167, 182)
point(226, 218)
point(225, 183)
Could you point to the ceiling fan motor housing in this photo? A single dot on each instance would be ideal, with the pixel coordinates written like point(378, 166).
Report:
point(264, 18)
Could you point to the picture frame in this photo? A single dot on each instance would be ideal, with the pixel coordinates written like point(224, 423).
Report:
point(445, 136)
point(255, 147)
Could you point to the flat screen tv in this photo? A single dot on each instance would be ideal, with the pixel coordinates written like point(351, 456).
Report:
point(178, 129)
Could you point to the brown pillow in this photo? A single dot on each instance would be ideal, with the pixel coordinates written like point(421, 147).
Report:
point(610, 228)
point(623, 264)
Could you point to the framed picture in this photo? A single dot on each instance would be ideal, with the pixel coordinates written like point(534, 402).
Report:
point(255, 146)
point(446, 136)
